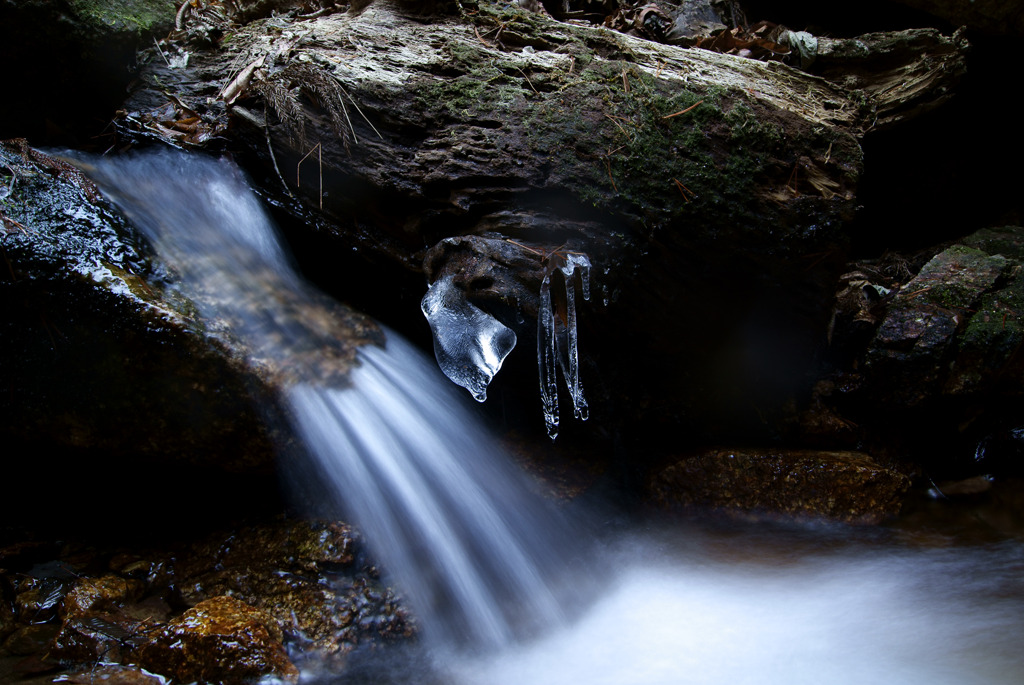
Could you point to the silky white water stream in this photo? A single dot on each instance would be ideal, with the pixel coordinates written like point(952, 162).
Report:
point(705, 608)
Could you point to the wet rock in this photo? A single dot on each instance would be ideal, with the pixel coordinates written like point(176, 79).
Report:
point(30, 640)
point(94, 636)
point(847, 486)
point(305, 575)
point(115, 373)
point(94, 627)
point(38, 599)
point(99, 594)
point(113, 674)
point(956, 328)
point(221, 639)
point(309, 582)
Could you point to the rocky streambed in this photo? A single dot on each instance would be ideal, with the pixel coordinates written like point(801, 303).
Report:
point(831, 364)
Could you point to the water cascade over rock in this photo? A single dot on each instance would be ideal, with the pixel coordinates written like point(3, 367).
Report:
point(478, 557)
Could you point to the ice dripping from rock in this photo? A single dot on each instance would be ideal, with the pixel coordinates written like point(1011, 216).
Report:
point(548, 335)
point(470, 344)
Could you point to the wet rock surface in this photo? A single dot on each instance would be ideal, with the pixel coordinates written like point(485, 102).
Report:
point(220, 639)
point(845, 486)
point(114, 368)
point(227, 608)
point(929, 347)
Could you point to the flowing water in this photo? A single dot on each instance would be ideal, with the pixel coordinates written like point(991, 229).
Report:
point(479, 557)
point(483, 561)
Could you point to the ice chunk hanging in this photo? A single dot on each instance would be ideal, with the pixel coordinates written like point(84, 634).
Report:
point(469, 344)
point(548, 342)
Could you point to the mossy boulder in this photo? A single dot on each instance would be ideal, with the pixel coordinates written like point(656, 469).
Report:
point(802, 484)
point(956, 328)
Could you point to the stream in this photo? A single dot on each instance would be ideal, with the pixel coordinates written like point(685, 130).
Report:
point(512, 590)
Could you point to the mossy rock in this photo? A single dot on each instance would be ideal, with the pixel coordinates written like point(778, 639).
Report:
point(845, 486)
point(957, 327)
point(126, 16)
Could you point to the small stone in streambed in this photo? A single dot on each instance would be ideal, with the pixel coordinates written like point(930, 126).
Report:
point(112, 674)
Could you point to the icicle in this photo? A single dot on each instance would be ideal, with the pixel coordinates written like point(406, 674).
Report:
point(547, 354)
point(469, 344)
point(548, 357)
point(575, 263)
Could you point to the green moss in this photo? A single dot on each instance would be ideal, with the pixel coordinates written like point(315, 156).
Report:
point(1007, 241)
point(140, 16)
point(996, 330)
point(618, 138)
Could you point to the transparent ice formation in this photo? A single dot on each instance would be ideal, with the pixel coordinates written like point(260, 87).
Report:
point(548, 343)
point(469, 343)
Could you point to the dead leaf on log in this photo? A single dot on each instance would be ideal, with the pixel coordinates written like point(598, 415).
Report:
point(760, 41)
point(240, 83)
point(175, 121)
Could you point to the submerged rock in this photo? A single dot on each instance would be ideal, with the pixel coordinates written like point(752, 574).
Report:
point(305, 575)
point(222, 640)
point(113, 674)
point(847, 486)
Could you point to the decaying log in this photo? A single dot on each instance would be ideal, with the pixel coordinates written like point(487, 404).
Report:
point(707, 189)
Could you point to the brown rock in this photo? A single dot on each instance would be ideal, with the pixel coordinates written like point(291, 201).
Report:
point(221, 639)
point(113, 674)
point(98, 594)
point(94, 625)
point(848, 486)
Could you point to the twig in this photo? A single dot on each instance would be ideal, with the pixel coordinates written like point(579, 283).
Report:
point(365, 118)
point(791, 183)
point(481, 38)
point(608, 164)
point(683, 190)
point(609, 116)
point(160, 50)
point(625, 81)
point(270, 149)
point(13, 224)
point(918, 291)
point(683, 111)
point(528, 80)
point(320, 157)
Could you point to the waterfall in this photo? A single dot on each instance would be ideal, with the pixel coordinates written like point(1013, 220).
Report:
point(478, 556)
